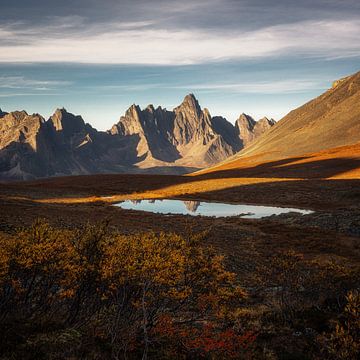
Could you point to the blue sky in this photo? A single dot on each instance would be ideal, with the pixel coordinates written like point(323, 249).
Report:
point(261, 57)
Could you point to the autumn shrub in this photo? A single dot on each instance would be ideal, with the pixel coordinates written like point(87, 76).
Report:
point(343, 342)
point(89, 293)
point(300, 299)
point(294, 285)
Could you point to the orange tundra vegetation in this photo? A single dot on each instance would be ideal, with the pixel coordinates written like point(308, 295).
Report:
point(93, 294)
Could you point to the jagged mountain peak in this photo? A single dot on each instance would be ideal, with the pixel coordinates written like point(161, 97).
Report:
point(21, 118)
point(18, 115)
point(248, 129)
point(133, 111)
point(206, 112)
point(190, 97)
point(19, 131)
point(187, 131)
point(245, 122)
point(185, 138)
point(62, 120)
point(150, 108)
point(190, 105)
point(246, 118)
point(267, 121)
point(61, 110)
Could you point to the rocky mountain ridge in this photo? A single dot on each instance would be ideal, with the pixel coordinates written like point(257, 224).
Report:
point(328, 121)
point(146, 140)
point(325, 131)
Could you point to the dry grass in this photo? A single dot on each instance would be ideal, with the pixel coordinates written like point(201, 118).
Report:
point(73, 200)
point(327, 182)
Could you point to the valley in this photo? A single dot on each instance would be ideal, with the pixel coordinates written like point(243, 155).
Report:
point(180, 180)
point(320, 249)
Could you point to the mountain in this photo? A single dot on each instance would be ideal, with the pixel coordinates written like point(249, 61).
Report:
point(184, 136)
point(31, 147)
point(188, 136)
point(148, 140)
point(22, 148)
point(330, 120)
point(319, 139)
point(249, 130)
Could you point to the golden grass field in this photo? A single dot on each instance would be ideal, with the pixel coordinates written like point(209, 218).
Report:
point(327, 182)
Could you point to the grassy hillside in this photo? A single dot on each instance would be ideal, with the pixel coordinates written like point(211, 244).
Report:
point(330, 120)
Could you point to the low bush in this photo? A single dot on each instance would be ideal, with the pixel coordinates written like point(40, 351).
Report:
point(93, 294)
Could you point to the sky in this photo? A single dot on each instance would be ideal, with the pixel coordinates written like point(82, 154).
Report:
point(96, 58)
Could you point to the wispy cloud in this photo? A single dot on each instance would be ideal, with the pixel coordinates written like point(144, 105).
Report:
point(11, 95)
point(20, 82)
point(254, 87)
point(261, 87)
point(133, 25)
point(137, 43)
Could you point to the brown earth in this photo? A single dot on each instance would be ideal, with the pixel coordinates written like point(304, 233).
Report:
point(327, 182)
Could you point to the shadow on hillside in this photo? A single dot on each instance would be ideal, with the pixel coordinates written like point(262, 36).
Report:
point(115, 184)
point(311, 194)
point(318, 169)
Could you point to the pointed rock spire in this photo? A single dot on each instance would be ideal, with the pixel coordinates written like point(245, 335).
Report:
point(262, 126)
point(189, 106)
point(65, 121)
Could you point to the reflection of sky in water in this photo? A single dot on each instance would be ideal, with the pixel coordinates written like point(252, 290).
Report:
point(203, 208)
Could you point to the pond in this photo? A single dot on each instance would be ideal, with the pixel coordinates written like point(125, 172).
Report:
point(203, 208)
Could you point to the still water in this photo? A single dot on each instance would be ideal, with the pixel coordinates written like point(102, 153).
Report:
point(169, 206)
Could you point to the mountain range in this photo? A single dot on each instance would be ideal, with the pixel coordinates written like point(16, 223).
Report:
point(156, 140)
point(144, 140)
point(327, 127)
point(328, 121)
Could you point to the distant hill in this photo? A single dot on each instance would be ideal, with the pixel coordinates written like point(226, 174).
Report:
point(148, 140)
point(325, 128)
point(330, 120)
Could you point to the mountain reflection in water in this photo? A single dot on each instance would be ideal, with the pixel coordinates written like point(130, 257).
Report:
point(192, 205)
point(203, 208)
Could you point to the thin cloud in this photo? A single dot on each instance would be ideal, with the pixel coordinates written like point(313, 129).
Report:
point(319, 39)
point(20, 82)
point(27, 94)
point(265, 87)
point(132, 87)
point(134, 24)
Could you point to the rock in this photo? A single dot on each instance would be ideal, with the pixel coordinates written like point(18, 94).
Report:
point(186, 136)
point(184, 139)
point(248, 130)
point(245, 125)
point(262, 126)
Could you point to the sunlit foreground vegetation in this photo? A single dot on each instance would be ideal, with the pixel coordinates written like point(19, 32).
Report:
point(94, 294)
point(90, 294)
